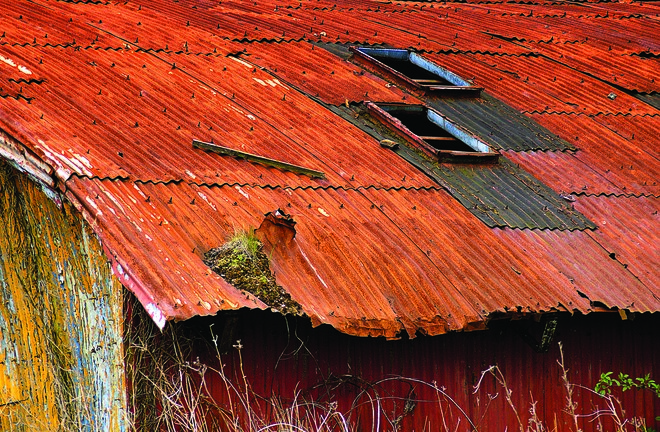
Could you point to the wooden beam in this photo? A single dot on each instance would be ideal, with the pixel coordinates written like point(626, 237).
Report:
point(438, 138)
point(284, 166)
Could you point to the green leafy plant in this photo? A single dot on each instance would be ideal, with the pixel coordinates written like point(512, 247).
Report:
point(625, 382)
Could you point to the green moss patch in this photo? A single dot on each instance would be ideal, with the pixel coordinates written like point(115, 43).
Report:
point(242, 263)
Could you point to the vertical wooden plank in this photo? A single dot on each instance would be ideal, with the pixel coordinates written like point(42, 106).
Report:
point(61, 364)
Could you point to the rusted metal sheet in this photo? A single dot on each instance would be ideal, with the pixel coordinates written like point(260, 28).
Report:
point(227, 102)
point(60, 318)
point(321, 74)
point(592, 273)
point(628, 70)
point(328, 232)
point(115, 102)
point(564, 173)
point(641, 134)
point(538, 84)
point(379, 239)
point(629, 233)
point(627, 162)
point(270, 21)
point(625, 36)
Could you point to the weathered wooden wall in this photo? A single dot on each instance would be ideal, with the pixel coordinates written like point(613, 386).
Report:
point(61, 356)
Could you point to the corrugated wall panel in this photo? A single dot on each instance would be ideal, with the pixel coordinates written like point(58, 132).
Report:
point(368, 375)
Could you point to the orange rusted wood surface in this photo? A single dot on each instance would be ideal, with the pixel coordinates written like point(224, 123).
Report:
point(61, 320)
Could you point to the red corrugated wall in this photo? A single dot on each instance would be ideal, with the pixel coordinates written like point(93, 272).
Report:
point(287, 357)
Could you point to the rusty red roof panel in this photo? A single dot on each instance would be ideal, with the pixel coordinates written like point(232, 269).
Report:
point(592, 273)
point(112, 95)
point(628, 231)
point(322, 74)
point(215, 99)
point(619, 35)
point(564, 172)
point(642, 131)
point(152, 227)
point(364, 23)
point(629, 70)
point(626, 162)
point(393, 276)
point(31, 23)
point(538, 84)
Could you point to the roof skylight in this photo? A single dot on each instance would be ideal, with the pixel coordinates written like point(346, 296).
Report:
point(415, 70)
point(430, 132)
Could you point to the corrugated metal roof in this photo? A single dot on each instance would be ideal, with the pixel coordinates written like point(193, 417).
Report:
point(319, 73)
point(539, 84)
point(119, 91)
point(564, 172)
point(623, 69)
point(498, 124)
point(629, 233)
point(211, 99)
point(503, 195)
point(400, 277)
point(627, 163)
point(627, 225)
point(652, 99)
point(499, 194)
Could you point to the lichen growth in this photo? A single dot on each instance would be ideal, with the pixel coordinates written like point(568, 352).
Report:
point(242, 262)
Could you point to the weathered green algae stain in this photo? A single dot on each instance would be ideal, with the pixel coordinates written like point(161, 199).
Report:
point(61, 357)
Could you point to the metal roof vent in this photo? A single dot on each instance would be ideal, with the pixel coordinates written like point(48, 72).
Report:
point(415, 70)
point(430, 132)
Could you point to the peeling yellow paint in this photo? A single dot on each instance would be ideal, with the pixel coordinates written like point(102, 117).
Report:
point(61, 364)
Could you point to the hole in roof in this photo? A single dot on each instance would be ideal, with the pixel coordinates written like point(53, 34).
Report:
point(414, 69)
point(430, 132)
